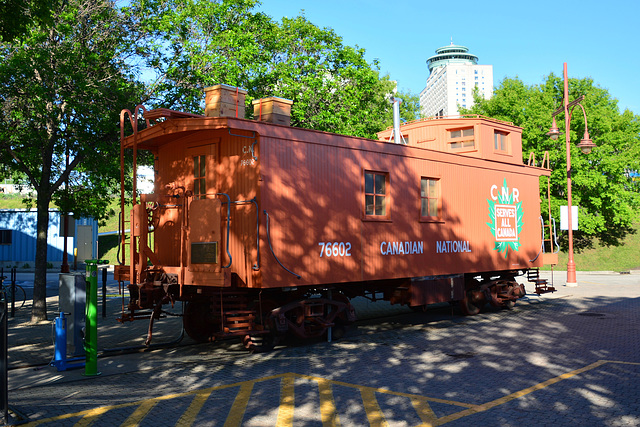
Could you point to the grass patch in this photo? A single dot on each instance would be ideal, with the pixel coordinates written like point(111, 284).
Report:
point(601, 258)
point(108, 245)
point(111, 224)
point(14, 201)
point(108, 248)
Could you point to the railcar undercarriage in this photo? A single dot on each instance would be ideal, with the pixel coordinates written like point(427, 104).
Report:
point(263, 318)
point(217, 313)
point(499, 292)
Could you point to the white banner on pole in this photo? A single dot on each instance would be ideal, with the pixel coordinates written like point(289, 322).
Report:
point(564, 218)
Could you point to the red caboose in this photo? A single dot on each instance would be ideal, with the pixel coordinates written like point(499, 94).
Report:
point(263, 228)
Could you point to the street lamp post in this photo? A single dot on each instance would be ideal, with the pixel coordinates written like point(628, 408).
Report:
point(585, 145)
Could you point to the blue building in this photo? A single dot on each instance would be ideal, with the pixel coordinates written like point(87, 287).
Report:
point(18, 238)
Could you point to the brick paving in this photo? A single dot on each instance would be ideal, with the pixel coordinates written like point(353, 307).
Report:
point(569, 358)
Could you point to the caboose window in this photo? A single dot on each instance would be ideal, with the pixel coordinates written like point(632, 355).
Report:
point(199, 172)
point(375, 193)
point(462, 139)
point(501, 142)
point(430, 198)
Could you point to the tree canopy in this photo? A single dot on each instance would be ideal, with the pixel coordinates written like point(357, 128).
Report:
point(16, 16)
point(62, 88)
point(607, 197)
point(199, 43)
point(69, 67)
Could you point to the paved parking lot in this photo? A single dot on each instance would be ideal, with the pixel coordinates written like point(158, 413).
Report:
point(571, 358)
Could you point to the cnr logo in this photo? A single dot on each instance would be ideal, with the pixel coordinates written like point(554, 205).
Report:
point(515, 193)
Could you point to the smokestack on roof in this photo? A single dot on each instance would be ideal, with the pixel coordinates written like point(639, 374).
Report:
point(397, 136)
point(224, 101)
point(273, 110)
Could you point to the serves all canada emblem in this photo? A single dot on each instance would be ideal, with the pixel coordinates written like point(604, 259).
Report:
point(505, 212)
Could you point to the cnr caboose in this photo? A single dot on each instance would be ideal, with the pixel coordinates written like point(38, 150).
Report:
point(264, 229)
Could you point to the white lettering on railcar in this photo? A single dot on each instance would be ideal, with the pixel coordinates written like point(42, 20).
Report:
point(452, 246)
point(334, 249)
point(401, 248)
point(515, 193)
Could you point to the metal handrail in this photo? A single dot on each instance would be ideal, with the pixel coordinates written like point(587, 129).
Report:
point(273, 253)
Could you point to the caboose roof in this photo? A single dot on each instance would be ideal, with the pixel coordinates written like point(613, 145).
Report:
point(426, 135)
point(165, 131)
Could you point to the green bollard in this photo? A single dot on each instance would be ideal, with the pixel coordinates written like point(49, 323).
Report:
point(91, 330)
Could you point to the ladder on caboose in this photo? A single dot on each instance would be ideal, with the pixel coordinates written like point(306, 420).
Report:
point(548, 237)
point(542, 285)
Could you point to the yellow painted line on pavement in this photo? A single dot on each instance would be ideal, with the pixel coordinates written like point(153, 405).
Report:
point(371, 407)
point(618, 362)
point(239, 405)
point(502, 400)
point(395, 393)
point(328, 413)
point(424, 411)
point(189, 416)
point(140, 412)
point(91, 416)
point(287, 401)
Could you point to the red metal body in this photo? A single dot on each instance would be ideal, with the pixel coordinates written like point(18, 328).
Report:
point(273, 212)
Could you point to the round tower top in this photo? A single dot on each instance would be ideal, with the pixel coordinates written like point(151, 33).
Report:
point(451, 54)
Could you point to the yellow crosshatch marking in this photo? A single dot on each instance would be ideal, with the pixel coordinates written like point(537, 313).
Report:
point(328, 412)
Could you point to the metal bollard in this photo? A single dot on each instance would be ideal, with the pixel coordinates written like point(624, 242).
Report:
point(60, 343)
point(60, 360)
point(91, 338)
point(14, 274)
point(104, 293)
point(4, 367)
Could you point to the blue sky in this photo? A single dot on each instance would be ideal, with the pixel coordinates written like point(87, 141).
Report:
point(597, 39)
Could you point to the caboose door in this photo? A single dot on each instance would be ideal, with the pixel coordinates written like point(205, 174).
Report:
point(203, 237)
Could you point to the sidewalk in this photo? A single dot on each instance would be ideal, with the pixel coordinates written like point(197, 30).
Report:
point(33, 344)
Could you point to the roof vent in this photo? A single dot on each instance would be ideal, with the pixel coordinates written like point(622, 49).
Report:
point(224, 101)
point(273, 110)
point(397, 136)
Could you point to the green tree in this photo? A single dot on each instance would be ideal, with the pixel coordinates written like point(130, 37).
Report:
point(62, 88)
point(410, 106)
point(204, 42)
point(607, 198)
point(16, 16)
point(332, 86)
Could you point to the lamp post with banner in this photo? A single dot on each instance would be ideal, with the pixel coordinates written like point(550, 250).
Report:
point(585, 145)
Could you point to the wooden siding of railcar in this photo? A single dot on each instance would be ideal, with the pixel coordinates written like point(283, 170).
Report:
point(237, 176)
point(225, 174)
point(352, 267)
point(313, 191)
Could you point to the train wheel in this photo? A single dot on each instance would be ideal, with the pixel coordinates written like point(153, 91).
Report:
point(260, 343)
point(342, 321)
point(472, 302)
point(516, 290)
point(509, 304)
point(339, 330)
point(199, 322)
point(263, 342)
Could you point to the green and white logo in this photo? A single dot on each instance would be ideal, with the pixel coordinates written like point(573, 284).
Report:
point(505, 212)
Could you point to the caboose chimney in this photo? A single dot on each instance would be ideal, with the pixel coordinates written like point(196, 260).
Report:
point(273, 110)
point(224, 101)
point(397, 136)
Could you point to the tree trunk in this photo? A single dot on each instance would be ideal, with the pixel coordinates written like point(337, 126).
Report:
point(39, 310)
